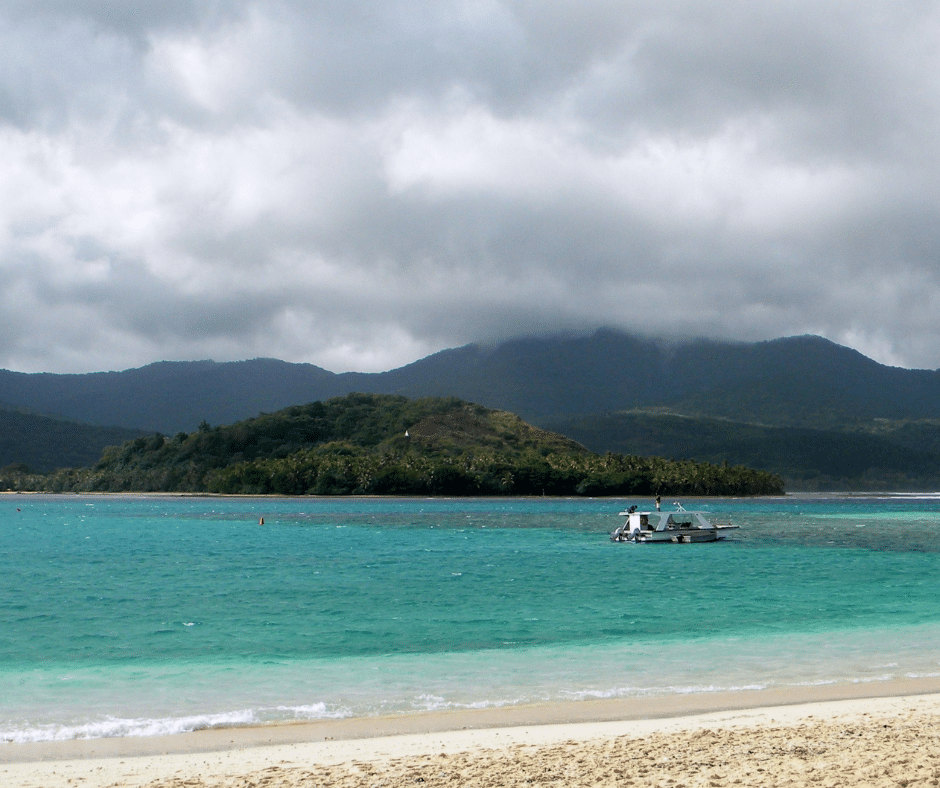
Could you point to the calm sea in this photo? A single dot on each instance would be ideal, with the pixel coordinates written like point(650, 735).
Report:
point(133, 616)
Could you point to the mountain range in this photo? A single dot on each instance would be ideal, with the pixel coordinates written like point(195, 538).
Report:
point(797, 381)
point(776, 402)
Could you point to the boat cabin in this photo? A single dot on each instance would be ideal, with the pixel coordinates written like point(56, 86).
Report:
point(662, 521)
point(677, 526)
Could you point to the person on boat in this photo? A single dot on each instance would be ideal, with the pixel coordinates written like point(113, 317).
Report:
point(658, 502)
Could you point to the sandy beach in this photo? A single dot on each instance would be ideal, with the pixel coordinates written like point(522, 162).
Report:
point(872, 741)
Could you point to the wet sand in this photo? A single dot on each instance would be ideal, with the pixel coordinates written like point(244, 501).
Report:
point(878, 734)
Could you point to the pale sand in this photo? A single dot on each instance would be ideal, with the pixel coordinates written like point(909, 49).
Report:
point(881, 741)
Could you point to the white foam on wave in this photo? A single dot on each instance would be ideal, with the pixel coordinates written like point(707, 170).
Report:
point(314, 711)
point(437, 703)
point(110, 727)
point(115, 727)
point(870, 679)
point(642, 692)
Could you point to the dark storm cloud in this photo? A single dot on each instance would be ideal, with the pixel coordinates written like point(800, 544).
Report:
point(357, 185)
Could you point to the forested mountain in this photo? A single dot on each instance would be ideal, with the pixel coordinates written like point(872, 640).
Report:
point(169, 396)
point(822, 415)
point(798, 381)
point(388, 445)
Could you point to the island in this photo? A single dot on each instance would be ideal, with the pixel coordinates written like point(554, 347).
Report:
point(370, 444)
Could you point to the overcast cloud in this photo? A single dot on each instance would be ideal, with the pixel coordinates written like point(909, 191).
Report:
point(360, 184)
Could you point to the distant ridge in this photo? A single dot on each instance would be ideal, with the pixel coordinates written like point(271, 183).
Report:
point(168, 396)
point(821, 415)
point(896, 456)
point(797, 381)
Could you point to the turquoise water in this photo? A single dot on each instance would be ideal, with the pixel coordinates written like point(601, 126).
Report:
point(138, 616)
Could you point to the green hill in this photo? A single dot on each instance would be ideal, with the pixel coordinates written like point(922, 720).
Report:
point(389, 445)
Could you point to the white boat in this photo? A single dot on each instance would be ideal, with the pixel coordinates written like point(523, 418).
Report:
point(680, 526)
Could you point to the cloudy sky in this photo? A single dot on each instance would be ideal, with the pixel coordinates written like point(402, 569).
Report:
point(359, 183)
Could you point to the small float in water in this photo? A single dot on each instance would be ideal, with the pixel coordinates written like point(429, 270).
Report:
point(680, 526)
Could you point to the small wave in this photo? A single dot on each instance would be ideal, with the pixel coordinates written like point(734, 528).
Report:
point(643, 692)
point(314, 711)
point(437, 703)
point(117, 727)
point(815, 683)
point(111, 727)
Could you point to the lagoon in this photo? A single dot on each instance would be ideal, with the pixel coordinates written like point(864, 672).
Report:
point(143, 615)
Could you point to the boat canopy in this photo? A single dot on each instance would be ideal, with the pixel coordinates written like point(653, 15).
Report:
point(664, 521)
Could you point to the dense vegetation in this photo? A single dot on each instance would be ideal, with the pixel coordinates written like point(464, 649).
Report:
point(389, 445)
point(878, 455)
point(44, 444)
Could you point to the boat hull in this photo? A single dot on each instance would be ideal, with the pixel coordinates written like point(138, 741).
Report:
point(679, 536)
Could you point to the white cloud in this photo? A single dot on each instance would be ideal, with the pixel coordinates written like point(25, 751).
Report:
point(357, 186)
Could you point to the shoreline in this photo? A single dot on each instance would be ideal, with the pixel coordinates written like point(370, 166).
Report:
point(229, 755)
point(633, 709)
